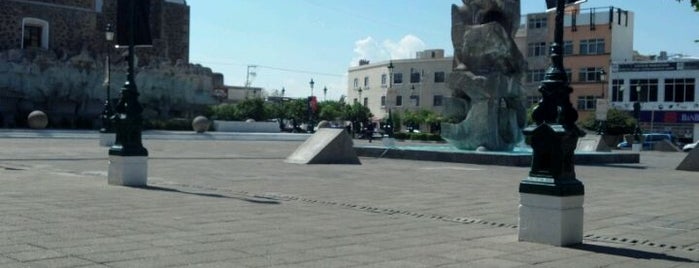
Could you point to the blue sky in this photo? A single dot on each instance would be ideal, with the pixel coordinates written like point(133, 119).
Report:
point(292, 41)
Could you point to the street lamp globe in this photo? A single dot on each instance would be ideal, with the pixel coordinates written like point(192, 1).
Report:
point(109, 32)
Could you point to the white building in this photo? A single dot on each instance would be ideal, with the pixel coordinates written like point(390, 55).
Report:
point(666, 90)
point(412, 84)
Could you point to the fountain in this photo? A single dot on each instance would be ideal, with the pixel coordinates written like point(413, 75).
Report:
point(487, 96)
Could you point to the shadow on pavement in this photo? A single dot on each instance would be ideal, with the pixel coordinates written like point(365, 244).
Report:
point(630, 253)
point(252, 199)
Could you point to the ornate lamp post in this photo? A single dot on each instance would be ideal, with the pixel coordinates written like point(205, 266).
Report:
point(390, 125)
point(128, 157)
point(361, 102)
point(107, 131)
point(637, 113)
point(551, 198)
point(601, 111)
point(310, 111)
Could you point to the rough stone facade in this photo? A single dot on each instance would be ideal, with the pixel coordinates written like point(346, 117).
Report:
point(76, 25)
point(66, 79)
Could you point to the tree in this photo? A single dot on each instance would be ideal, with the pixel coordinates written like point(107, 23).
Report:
point(330, 110)
point(618, 122)
point(252, 109)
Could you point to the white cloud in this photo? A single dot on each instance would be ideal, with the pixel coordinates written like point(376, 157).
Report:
point(369, 49)
point(405, 48)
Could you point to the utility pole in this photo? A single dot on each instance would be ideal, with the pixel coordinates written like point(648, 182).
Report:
point(249, 73)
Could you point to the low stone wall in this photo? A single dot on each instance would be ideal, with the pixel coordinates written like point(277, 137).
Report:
point(241, 126)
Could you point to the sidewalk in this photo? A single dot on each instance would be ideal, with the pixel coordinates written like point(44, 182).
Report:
point(56, 210)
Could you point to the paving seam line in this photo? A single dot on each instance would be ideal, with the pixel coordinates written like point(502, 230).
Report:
point(443, 218)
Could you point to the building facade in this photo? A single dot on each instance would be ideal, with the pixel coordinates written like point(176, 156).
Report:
point(593, 38)
point(53, 58)
point(666, 90)
point(412, 84)
point(67, 27)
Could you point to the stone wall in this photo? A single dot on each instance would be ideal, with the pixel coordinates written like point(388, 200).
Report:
point(72, 30)
point(71, 91)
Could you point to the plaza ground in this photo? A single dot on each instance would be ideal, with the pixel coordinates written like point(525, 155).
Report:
point(203, 208)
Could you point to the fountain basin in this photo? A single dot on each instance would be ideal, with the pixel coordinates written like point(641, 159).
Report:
point(520, 158)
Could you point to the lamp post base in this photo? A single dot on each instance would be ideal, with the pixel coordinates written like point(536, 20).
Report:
point(128, 170)
point(107, 139)
point(552, 220)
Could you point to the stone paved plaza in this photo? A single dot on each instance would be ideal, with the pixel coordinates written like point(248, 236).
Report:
point(206, 207)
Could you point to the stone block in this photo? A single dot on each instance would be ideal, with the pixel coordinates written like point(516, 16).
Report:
point(691, 162)
point(592, 143)
point(326, 146)
point(665, 146)
point(128, 170)
point(552, 220)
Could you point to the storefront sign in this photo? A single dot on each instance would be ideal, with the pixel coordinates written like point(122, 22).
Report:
point(648, 67)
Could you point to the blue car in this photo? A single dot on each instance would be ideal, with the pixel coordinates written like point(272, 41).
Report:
point(648, 140)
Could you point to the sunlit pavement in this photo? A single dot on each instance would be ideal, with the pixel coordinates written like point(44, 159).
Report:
point(235, 203)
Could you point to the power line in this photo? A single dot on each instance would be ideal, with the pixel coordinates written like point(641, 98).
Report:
point(276, 68)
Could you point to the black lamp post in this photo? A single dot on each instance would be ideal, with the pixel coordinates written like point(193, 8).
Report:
point(310, 111)
point(637, 114)
point(361, 102)
point(603, 121)
point(108, 111)
point(325, 93)
point(132, 27)
point(555, 135)
point(283, 91)
point(390, 125)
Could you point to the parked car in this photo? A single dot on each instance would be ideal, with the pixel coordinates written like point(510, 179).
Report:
point(649, 139)
point(690, 146)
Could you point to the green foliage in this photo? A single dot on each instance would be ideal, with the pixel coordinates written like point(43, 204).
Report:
point(330, 110)
point(252, 109)
point(618, 122)
point(168, 124)
point(356, 113)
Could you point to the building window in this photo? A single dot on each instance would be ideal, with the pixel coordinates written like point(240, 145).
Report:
point(383, 101)
point(535, 75)
point(535, 23)
point(592, 47)
point(589, 74)
point(439, 77)
point(414, 77)
point(647, 88)
point(415, 100)
point(536, 49)
point(35, 33)
point(617, 92)
point(679, 90)
point(366, 82)
point(399, 100)
point(437, 100)
point(366, 101)
point(398, 78)
point(567, 48)
point(356, 83)
point(586, 102)
point(384, 80)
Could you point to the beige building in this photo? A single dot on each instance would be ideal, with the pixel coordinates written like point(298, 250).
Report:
point(412, 84)
point(593, 38)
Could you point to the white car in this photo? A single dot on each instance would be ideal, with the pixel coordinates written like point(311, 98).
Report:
point(690, 146)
